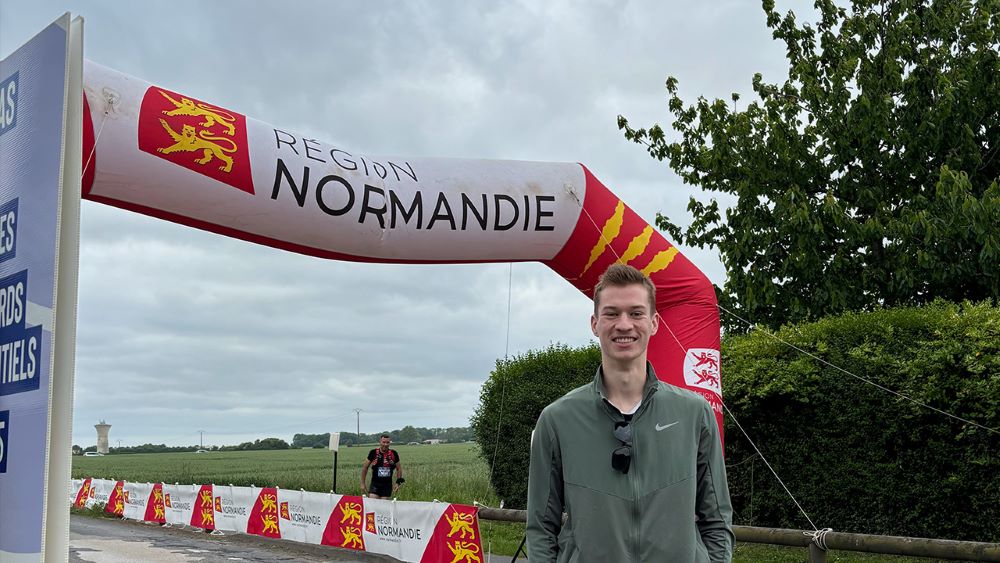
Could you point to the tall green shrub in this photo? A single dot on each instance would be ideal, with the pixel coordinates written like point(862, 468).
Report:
point(524, 385)
point(860, 459)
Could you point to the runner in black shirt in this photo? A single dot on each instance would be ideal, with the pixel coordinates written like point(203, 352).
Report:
point(383, 462)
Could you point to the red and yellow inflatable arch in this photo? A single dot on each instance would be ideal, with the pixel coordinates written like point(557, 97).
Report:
point(168, 155)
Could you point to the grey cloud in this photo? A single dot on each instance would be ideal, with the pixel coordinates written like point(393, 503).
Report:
point(181, 330)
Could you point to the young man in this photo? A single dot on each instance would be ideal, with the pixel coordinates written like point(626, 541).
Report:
point(383, 462)
point(636, 464)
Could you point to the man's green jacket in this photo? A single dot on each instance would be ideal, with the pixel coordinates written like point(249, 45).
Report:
point(672, 506)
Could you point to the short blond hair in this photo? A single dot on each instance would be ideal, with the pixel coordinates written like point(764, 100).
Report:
point(621, 275)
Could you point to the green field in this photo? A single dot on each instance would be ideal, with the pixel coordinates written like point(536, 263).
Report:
point(447, 472)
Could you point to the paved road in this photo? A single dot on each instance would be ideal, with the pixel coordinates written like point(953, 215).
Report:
point(107, 540)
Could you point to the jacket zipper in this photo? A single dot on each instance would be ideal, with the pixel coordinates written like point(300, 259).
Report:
point(635, 512)
point(634, 479)
point(632, 474)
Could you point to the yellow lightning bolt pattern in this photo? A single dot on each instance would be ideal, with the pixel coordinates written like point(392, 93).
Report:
point(611, 229)
point(637, 246)
point(660, 261)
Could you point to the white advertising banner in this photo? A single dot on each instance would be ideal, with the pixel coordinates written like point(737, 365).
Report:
point(425, 532)
point(136, 499)
point(400, 529)
point(304, 514)
point(78, 491)
point(233, 506)
point(179, 502)
point(100, 492)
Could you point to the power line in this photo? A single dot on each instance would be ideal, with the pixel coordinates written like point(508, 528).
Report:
point(858, 377)
point(503, 384)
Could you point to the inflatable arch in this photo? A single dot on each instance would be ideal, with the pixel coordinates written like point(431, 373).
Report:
point(168, 155)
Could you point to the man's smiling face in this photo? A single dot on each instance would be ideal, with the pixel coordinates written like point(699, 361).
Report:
point(624, 323)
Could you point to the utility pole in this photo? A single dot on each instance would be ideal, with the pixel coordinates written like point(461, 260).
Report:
point(358, 412)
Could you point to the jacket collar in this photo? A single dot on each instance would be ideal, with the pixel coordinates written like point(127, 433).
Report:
point(650, 387)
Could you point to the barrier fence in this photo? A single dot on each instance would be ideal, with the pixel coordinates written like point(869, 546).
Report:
point(416, 531)
point(421, 532)
point(865, 543)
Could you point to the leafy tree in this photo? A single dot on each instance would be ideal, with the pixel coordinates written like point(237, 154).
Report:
point(869, 177)
point(349, 439)
point(859, 459)
point(510, 402)
point(408, 434)
point(265, 444)
point(313, 440)
point(455, 434)
point(405, 435)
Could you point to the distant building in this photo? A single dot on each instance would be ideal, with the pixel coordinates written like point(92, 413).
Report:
point(433, 441)
point(102, 437)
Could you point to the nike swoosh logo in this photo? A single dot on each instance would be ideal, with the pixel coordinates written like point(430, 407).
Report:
point(665, 426)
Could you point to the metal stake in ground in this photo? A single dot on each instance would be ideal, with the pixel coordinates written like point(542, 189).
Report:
point(334, 445)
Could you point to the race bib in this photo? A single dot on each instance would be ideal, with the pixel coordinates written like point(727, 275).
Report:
point(384, 472)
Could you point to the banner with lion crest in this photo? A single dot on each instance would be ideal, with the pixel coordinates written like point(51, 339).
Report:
point(424, 532)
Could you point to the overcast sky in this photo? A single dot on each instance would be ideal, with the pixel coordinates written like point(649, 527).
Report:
point(181, 330)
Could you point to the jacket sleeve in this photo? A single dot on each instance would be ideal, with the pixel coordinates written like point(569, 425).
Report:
point(713, 509)
point(545, 493)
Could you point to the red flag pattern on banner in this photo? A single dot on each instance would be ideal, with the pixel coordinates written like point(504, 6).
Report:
point(198, 136)
point(344, 526)
point(264, 515)
point(116, 501)
point(419, 532)
point(456, 537)
point(83, 494)
point(155, 505)
point(203, 514)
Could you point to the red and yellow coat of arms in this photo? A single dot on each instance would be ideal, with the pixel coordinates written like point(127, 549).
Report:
point(196, 135)
point(344, 528)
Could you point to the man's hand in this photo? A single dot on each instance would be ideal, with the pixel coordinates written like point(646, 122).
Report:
point(364, 477)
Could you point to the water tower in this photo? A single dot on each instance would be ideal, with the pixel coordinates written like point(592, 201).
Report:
point(102, 436)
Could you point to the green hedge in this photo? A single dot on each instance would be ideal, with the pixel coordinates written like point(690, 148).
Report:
point(860, 459)
point(524, 385)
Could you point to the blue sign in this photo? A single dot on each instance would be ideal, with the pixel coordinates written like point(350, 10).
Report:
point(32, 108)
point(4, 429)
point(20, 345)
point(8, 103)
point(8, 236)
